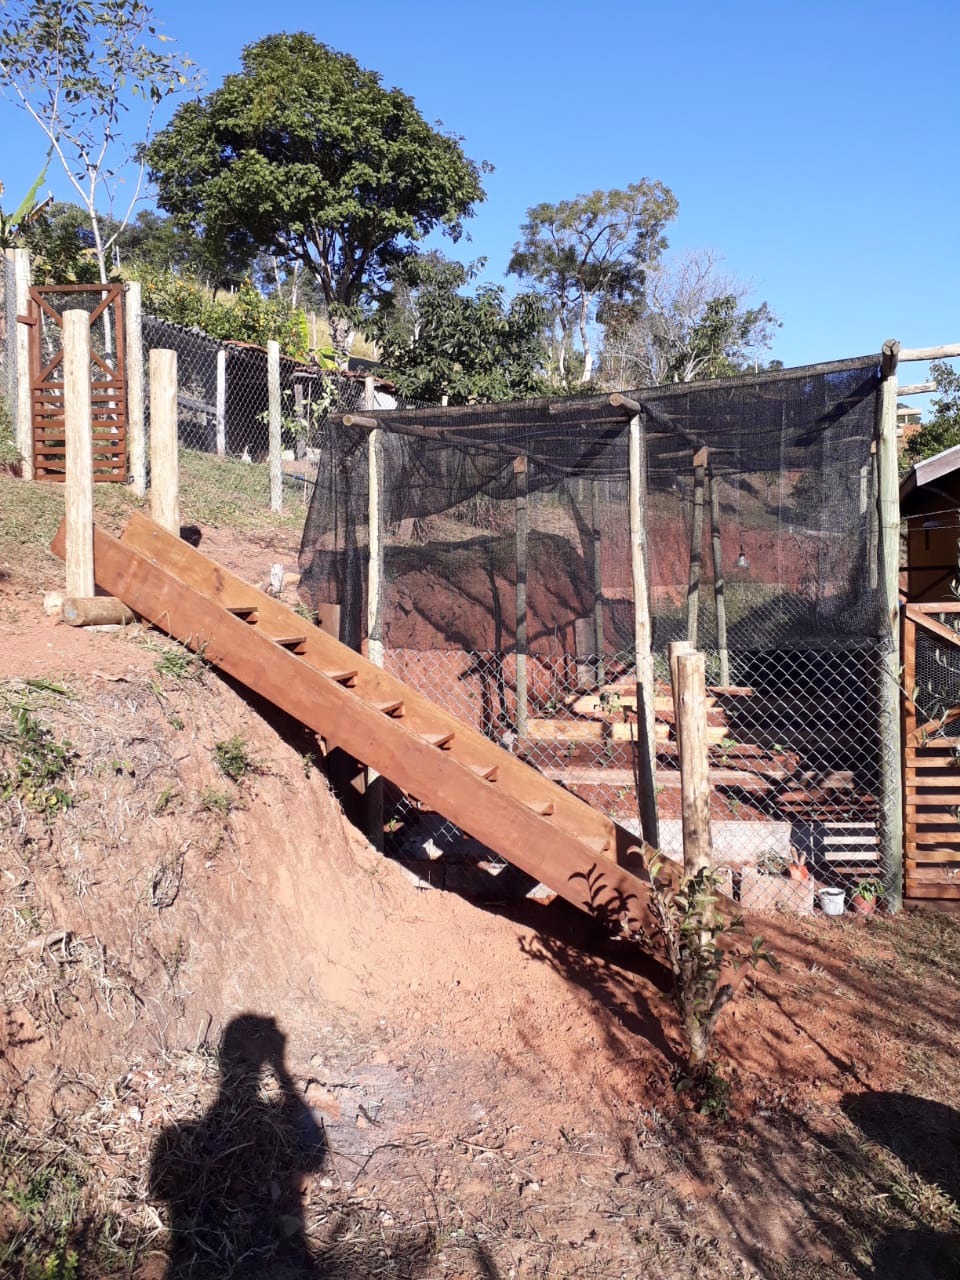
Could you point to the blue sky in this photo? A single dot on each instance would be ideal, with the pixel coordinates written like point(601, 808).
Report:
point(811, 145)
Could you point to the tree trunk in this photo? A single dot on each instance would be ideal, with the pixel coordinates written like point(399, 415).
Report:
point(587, 374)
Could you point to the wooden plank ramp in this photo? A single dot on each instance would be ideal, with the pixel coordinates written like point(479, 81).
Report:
point(533, 823)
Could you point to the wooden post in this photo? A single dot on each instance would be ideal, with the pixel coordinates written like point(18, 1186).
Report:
point(134, 368)
point(21, 279)
point(598, 638)
point(696, 542)
point(221, 405)
point(78, 423)
point(890, 728)
point(643, 639)
point(690, 703)
point(718, 582)
point(373, 783)
point(164, 460)
point(274, 420)
point(521, 532)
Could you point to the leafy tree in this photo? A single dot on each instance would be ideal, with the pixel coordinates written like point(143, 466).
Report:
point(75, 66)
point(691, 322)
point(438, 341)
point(943, 429)
point(587, 254)
point(304, 154)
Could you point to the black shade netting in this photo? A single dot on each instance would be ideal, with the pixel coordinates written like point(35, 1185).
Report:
point(789, 538)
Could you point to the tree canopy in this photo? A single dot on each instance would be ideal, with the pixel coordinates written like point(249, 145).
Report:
point(304, 154)
point(438, 341)
point(943, 429)
point(590, 252)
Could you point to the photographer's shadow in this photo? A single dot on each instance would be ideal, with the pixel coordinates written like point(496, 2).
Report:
point(233, 1181)
point(925, 1136)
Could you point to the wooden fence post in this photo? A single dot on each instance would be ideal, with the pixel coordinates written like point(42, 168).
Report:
point(376, 478)
point(164, 460)
point(696, 548)
point(643, 640)
point(21, 284)
point(690, 704)
point(598, 636)
point(136, 425)
point(521, 531)
point(718, 583)
point(891, 731)
point(78, 423)
point(221, 403)
point(274, 418)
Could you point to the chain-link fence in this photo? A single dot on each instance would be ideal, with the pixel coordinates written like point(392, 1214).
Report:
point(506, 531)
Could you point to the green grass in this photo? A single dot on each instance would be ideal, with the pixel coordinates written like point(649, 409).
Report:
point(233, 758)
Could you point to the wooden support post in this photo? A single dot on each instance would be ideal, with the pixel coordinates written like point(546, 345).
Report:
point(718, 582)
point(136, 425)
point(274, 426)
point(696, 542)
point(891, 752)
point(373, 785)
point(643, 639)
point(221, 404)
point(96, 611)
point(521, 533)
point(21, 284)
point(598, 637)
point(164, 459)
point(690, 703)
point(78, 422)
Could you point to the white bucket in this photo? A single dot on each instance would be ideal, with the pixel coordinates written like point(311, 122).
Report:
point(831, 901)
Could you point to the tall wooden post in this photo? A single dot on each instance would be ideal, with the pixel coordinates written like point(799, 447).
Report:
point(690, 708)
point(890, 728)
point(164, 461)
point(376, 478)
point(643, 638)
point(136, 425)
point(598, 636)
point(21, 284)
point(718, 582)
point(274, 426)
point(78, 423)
point(696, 543)
point(221, 404)
point(521, 533)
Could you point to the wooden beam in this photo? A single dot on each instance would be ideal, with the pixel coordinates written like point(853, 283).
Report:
point(164, 443)
point(521, 533)
point(690, 697)
point(917, 389)
point(889, 355)
point(948, 352)
point(630, 407)
point(718, 582)
point(598, 636)
point(136, 422)
point(96, 611)
point(359, 420)
point(696, 546)
point(79, 453)
point(376, 478)
point(889, 710)
point(643, 638)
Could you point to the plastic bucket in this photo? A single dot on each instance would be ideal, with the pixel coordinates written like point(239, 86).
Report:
point(831, 901)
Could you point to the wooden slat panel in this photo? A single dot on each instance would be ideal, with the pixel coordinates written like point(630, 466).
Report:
point(949, 873)
point(932, 890)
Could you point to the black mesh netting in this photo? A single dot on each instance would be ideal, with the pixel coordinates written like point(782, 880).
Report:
point(790, 458)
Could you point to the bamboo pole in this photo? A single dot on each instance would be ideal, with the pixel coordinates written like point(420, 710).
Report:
point(221, 403)
point(690, 703)
point(164, 460)
point(78, 424)
point(598, 637)
point(891, 751)
point(696, 546)
point(274, 426)
point(718, 581)
point(520, 533)
point(136, 425)
point(21, 284)
point(643, 639)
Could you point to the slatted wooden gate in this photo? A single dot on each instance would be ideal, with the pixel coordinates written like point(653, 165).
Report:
point(931, 681)
point(104, 303)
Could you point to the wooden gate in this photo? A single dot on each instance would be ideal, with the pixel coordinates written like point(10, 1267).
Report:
point(108, 392)
point(931, 682)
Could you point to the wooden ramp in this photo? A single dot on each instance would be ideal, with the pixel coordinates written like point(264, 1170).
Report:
point(505, 804)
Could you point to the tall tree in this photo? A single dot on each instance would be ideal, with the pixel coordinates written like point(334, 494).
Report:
point(691, 322)
point(437, 340)
point(76, 66)
point(590, 252)
point(304, 154)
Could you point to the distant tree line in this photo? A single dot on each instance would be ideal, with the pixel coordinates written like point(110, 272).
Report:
point(303, 182)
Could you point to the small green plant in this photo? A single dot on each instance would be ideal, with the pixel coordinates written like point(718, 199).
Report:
point(214, 801)
point(233, 758)
point(39, 768)
point(871, 889)
point(164, 801)
point(178, 664)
